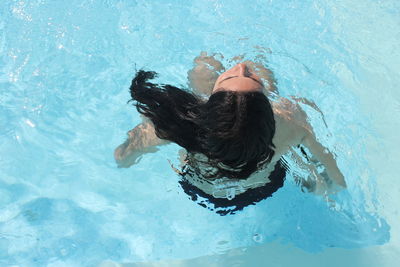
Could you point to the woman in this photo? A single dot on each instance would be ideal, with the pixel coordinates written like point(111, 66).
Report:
point(234, 140)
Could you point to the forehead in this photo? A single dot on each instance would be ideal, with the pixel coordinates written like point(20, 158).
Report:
point(242, 84)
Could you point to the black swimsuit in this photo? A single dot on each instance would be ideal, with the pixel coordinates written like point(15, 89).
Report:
point(224, 206)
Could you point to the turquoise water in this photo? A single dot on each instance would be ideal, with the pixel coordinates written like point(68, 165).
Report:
point(65, 68)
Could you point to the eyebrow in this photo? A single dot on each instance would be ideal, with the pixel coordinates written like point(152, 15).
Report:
point(245, 77)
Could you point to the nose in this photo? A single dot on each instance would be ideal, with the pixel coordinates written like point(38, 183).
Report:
point(243, 70)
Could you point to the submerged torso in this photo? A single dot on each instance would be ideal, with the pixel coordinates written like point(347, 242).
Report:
point(288, 133)
point(200, 174)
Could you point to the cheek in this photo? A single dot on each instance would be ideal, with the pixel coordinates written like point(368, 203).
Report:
point(217, 81)
point(215, 86)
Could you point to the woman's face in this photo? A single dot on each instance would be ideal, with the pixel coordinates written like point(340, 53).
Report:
point(240, 79)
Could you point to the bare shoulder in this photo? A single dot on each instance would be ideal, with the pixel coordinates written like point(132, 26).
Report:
point(290, 111)
point(290, 125)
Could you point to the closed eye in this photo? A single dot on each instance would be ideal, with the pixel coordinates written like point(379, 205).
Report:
point(228, 78)
point(257, 81)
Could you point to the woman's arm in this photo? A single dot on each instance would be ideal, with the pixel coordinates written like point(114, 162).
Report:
point(325, 157)
point(141, 140)
point(294, 124)
point(204, 74)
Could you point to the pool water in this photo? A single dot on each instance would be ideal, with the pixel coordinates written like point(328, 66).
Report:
point(65, 69)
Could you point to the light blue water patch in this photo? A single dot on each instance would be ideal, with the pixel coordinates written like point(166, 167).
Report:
point(65, 70)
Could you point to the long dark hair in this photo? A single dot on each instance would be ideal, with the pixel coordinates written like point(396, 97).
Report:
point(232, 129)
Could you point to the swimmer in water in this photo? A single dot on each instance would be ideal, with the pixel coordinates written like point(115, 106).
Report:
point(235, 130)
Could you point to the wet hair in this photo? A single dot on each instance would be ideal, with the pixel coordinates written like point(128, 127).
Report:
point(233, 129)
